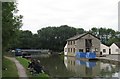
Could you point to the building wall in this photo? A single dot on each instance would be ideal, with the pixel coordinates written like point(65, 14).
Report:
point(75, 45)
point(80, 44)
point(104, 49)
point(114, 49)
point(65, 49)
point(71, 47)
point(95, 43)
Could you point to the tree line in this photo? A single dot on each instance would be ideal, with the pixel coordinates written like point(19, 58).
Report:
point(54, 38)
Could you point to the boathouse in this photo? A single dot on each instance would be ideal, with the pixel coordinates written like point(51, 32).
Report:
point(86, 42)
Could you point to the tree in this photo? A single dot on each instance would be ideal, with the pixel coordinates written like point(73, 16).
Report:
point(11, 23)
point(94, 31)
point(25, 40)
point(80, 31)
point(54, 38)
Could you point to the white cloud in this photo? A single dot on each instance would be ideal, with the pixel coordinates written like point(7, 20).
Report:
point(77, 13)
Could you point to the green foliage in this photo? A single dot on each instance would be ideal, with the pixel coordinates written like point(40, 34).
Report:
point(10, 23)
point(54, 38)
point(7, 67)
point(107, 36)
point(23, 61)
point(25, 39)
point(112, 40)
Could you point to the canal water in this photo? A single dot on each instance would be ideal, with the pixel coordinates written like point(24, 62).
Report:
point(62, 66)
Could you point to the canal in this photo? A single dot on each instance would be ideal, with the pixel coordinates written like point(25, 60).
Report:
point(62, 66)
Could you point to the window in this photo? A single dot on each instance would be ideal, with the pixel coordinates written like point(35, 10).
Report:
point(104, 50)
point(74, 50)
point(88, 43)
point(80, 50)
point(73, 42)
point(68, 49)
point(71, 49)
point(68, 42)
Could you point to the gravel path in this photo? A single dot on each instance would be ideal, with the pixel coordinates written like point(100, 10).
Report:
point(21, 70)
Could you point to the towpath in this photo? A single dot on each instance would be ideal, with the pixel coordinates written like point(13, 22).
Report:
point(111, 57)
point(21, 70)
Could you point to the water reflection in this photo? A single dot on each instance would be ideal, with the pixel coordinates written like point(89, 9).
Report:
point(87, 63)
point(91, 69)
point(72, 67)
point(55, 66)
point(82, 68)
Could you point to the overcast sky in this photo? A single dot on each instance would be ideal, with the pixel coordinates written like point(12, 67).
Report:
point(76, 13)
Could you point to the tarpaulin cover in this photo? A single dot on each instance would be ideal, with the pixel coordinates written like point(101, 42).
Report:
point(85, 55)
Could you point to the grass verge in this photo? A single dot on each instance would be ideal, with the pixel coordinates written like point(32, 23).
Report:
point(24, 62)
point(7, 67)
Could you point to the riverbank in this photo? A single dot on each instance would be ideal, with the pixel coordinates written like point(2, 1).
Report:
point(114, 59)
point(24, 62)
point(7, 67)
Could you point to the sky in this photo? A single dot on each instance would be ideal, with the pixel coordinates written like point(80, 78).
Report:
point(76, 13)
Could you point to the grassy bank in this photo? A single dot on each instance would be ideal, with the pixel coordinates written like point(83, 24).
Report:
point(24, 62)
point(9, 68)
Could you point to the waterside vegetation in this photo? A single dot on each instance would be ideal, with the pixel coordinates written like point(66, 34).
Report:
point(24, 62)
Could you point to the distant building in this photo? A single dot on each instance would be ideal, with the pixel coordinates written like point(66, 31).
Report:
point(115, 48)
point(104, 50)
point(86, 42)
